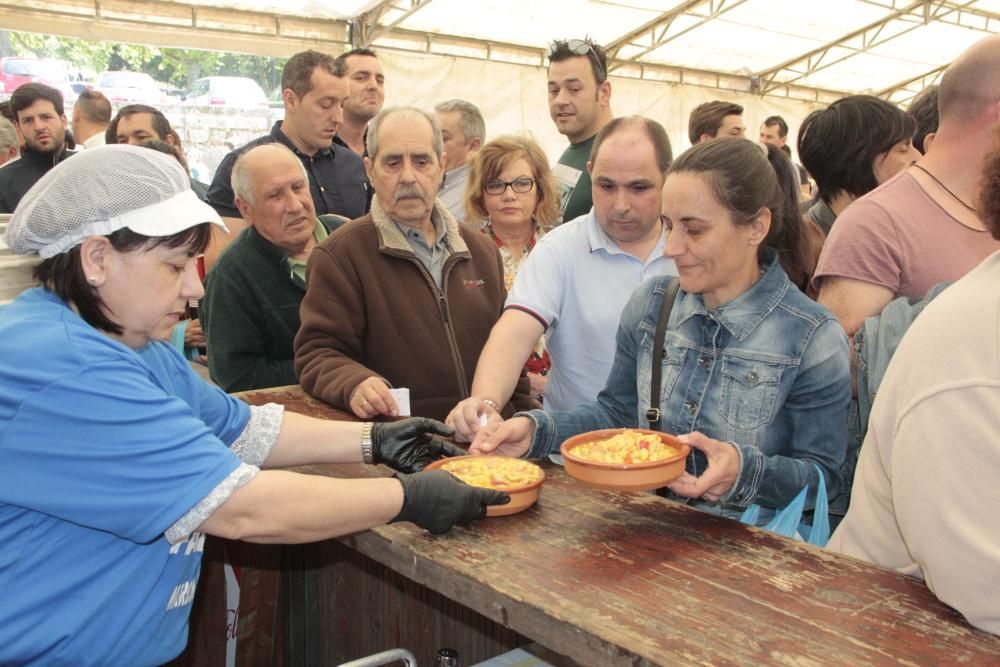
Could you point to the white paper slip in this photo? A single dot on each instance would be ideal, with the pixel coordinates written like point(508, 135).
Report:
point(482, 419)
point(402, 397)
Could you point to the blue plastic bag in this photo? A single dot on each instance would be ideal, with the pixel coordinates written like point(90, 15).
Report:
point(788, 521)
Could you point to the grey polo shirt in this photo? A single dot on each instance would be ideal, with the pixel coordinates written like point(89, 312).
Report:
point(431, 256)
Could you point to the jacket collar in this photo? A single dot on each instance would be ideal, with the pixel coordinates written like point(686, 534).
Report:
point(268, 249)
point(390, 238)
point(36, 157)
point(275, 254)
point(282, 138)
point(742, 315)
point(822, 214)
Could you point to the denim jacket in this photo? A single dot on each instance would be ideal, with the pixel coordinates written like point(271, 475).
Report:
point(874, 344)
point(768, 372)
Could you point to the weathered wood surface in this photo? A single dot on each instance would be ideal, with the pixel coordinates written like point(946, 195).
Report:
point(364, 607)
point(633, 579)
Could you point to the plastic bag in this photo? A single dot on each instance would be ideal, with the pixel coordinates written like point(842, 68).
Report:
point(788, 521)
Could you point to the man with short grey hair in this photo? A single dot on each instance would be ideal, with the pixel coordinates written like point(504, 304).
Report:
point(463, 131)
point(250, 312)
point(10, 143)
point(403, 297)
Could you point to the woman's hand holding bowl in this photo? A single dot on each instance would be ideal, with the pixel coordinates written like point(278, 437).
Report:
point(722, 472)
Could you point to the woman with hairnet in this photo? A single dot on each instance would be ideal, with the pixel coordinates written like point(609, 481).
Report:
point(115, 458)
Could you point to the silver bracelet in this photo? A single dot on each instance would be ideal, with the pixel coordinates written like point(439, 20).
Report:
point(493, 404)
point(366, 443)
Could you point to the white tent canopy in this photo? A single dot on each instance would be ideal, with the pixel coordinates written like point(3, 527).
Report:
point(772, 56)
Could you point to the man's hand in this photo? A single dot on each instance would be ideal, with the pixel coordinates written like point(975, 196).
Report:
point(409, 445)
point(193, 335)
point(722, 472)
point(372, 397)
point(510, 438)
point(437, 500)
point(465, 416)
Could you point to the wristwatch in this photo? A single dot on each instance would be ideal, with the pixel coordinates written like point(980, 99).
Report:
point(366, 443)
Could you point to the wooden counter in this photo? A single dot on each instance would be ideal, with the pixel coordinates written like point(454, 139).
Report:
point(620, 579)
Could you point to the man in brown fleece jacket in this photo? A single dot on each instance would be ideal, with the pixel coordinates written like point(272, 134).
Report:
point(404, 296)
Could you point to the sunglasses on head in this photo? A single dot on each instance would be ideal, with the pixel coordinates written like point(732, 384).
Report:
point(582, 48)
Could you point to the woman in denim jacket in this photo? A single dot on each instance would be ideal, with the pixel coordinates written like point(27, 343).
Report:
point(755, 375)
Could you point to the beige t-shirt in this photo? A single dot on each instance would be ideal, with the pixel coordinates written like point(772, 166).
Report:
point(926, 497)
point(898, 237)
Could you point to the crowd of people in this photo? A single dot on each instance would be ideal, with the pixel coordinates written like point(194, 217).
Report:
point(398, 261)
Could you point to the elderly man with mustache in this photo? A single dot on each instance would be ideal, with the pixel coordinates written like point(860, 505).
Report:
point(404, 297)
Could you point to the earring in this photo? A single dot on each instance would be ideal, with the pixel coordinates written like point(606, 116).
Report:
point(92, 280)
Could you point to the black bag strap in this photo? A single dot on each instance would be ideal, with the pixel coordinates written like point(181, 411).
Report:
point(653, 412)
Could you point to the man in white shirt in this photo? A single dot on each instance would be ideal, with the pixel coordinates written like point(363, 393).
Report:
point(91, 116)
point(578, 278)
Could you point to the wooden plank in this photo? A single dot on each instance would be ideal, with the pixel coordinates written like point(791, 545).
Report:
point(367, 608)
point(616, 579)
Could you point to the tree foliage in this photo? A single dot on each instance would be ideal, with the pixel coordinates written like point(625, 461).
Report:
point(178, 68)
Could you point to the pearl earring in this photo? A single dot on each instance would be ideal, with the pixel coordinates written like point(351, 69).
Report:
point(92, 280)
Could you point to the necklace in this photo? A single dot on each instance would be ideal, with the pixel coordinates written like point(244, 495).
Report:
point(946, 189)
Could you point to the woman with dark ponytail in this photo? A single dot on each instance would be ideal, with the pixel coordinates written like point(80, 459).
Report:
point(797, 240)
point(755, 375)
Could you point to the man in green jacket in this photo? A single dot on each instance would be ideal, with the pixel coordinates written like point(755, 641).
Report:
point(250, 312)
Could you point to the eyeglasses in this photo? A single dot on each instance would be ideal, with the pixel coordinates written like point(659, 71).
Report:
point(498, 187)
point(582, 48)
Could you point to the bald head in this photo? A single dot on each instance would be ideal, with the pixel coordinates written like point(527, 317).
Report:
point(971, 84)
point(272, 194)
point(273, 156)
point(646, 127)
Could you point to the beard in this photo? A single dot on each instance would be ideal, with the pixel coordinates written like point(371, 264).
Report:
point(58, 142)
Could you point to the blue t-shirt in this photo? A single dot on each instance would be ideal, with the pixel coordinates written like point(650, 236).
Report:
point(102, 448)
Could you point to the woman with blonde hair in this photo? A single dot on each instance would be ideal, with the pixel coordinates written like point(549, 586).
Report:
point(512, 189)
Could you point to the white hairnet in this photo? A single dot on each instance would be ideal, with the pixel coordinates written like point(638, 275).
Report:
point(101, 190)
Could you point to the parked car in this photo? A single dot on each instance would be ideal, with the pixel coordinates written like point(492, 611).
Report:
point(228, 91)
point(16, 71)
point(129, 88)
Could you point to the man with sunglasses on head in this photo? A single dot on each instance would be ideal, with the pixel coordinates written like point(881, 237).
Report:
point(580, 105)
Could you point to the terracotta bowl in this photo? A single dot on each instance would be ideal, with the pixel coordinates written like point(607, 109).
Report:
point(521, 497)
point(624, 476)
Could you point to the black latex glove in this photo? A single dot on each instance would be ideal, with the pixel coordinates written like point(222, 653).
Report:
point(408, 445)
point(437, 500)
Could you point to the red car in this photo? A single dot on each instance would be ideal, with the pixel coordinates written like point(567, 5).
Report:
point(16, 71)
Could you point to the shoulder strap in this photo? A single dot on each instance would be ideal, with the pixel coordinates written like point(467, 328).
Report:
point(653, 412)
